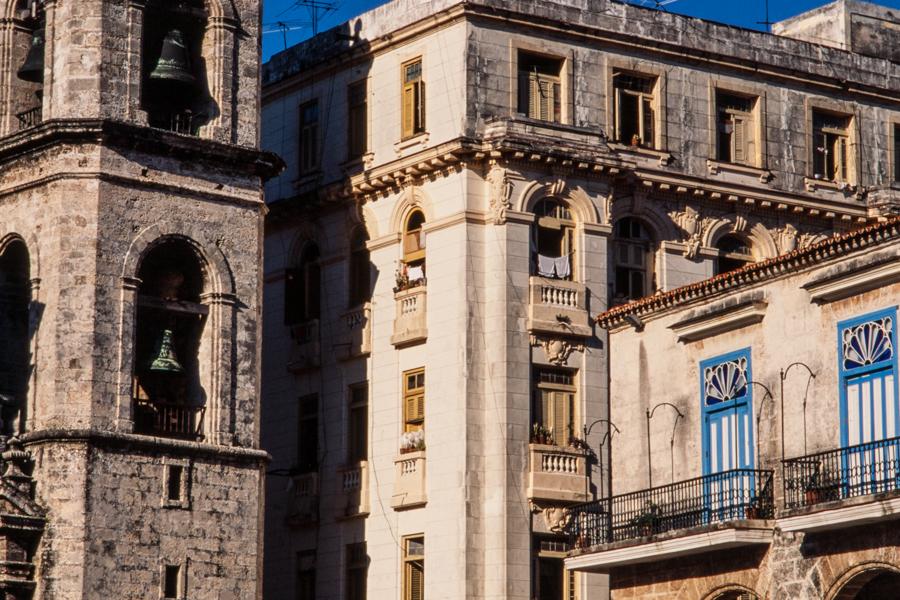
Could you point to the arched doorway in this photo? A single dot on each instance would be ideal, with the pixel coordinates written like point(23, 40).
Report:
point(733, 593)
point(876, 583)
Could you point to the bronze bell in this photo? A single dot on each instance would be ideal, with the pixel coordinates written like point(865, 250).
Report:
point(33, 67)
point(174, 64)
point(164, 360)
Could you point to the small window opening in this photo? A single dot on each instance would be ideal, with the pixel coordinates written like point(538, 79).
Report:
point(735, 128)
point(412, 270)
point(414, 400)
point(168, 394)
point(414, 568)
point(172, 582)
point(32, 68)
point(831, 146)
point(635, 109)
point(554, 240)
point(173, 482)
point(358, 446)
point(632, 261)
point(540, 91)
point(174, 90)
point(360, 270)
point(15, 359)
point(734, 253)
point(302, 293)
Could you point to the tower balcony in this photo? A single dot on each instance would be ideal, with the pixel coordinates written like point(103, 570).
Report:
point(166, 419)
point(409, 481)
point(303, 505)
point(355, 490)
point(558, 305)
point(31, 117)
point(410, 324)
point(845, 487)
point(355, 333)
point(705, 514)
point(557, 474)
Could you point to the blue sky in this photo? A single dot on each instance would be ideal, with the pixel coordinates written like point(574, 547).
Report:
point(744, 13)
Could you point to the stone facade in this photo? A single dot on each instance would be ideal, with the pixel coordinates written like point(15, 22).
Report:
point(143, 496)
point(495, 180)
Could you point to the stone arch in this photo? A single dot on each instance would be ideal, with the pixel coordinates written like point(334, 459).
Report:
point(31, 246)
point(851, 582)
point(578, 200)
point(761, 240)
point(216, 270)
point(731, 592)
point(221, 9)
point(660, 226)
point(305, 235)
point(411, 199)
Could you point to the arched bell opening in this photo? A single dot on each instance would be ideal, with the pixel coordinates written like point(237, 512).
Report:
point(168, 393)
point(174, 89)
point(28, 56)
point(15, 299)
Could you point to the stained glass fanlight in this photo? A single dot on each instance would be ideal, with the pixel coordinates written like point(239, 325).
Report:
point(725, 381)
point(868, 343)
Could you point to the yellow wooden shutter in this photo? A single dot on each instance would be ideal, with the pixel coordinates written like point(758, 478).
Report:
point(408, 108)
point(420, 106)
point(617, 109)
point(534, 96)
point(739, 139)
point(560, 419)
point(841, 166)
point(416, 581)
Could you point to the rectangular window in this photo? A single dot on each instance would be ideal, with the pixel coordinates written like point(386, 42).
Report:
point(831, 146)
point(414, 400)
point(635, 109)
point(554, 404)
point(735, 128)
point(359, 423)
point(356, 120)
point(308, 434)
point(172, 581)
point(551, 581)
point(540, 92)
point(309, 137)
point(357, 562)
point(414, 568)
point(173, 482)
point(412, 110)
point(306, 575)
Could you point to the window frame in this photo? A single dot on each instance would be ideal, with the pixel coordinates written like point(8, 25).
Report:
point(657, 104)
point(649, 247)
point(552, 51)
point(406, 563)
point(412, 115)
point(566, 393)
point(357, 440)
point(417, 255)
point(357, 141)
point(308, 135)
point(536, 83)
point(750, 118)
point(416, 420)
point(840, 110)
point(305, 293)
point(570, 589)
point(746, 259)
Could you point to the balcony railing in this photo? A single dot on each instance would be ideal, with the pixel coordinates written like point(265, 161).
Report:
point(355, 488)
point(169, 420)
point(558, 304)
point(30, 117)
point(860, 470)
point(410, 322)
point(721, 497)
point(557, 473)
point(355, 333)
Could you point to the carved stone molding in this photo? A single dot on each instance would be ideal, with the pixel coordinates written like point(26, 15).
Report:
point(556, 518)
point(500, 191)
point(557, 349)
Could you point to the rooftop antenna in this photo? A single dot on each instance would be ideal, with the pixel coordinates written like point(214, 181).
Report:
point(317, 9)
point(767, 22)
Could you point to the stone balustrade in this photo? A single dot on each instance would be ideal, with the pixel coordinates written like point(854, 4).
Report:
point(355, 489)
point(410, 322)
point(558, 474)
point(409, 481)
point(303, 507)
point(558, 306)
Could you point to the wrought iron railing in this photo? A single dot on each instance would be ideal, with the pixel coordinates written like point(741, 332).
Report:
point(30, 117)
point(720, 497)
point(169, 420)
point(860, 470)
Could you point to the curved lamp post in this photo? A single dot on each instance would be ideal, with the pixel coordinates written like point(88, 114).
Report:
point(784, 374)
point(607, 437)
point(770, 395)
point(678, 415)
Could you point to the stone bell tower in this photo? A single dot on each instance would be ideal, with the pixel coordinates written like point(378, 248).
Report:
point(130, 298)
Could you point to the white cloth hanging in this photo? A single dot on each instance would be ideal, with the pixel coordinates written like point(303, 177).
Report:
point(563, 267)
point(546, 265)
point(415, 273)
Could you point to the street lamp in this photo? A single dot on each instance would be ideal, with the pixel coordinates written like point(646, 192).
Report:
point(759, 414)
point(678, 415)
point(784, 374)
point(607, 437)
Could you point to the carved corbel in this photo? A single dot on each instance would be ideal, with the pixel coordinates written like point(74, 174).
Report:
point(556, 349)
point(500, 191)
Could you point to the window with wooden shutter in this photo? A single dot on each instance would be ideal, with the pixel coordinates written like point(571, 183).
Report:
point(358, 434)
point(539, 87)
point(735, 125)
point(412, 103)
point(831, 146)
point(357, 140)
point(414, 568)
point(414, 400)
point(309, 137)
point(555, 403)
point(635, 109)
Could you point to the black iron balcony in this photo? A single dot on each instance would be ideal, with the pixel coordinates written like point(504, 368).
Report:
point(721, 497)
point(30, 117)
point(169, 420)
point(870, 468)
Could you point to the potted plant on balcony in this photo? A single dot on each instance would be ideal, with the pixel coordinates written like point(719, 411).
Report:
point(648, 520)
point(820, 488)
point(755, 509)
point(412, 441)
point(541, 435)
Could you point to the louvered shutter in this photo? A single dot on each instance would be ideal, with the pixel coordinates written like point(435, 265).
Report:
point(534, 96)
point(416, 581)
point(420, 106)
point(617, 109)
point(560, 435)
point(408, 110)
point(648, 137)
point(739, 139)
point(841, 166)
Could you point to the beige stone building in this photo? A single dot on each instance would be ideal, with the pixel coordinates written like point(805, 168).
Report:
point(130, 299)
point(468, 185)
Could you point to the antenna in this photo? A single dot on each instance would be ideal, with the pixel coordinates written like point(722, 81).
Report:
point(317, 9)
point(767, 22)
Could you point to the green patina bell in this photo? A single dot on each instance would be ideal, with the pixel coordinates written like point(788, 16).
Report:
point(164, 360)
point(174, 64)
point(33, 67)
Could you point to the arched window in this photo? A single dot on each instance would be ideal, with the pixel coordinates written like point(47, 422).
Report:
point(302, 288)
point(168, 395)
point(554, 234)
point(174, 90)
point(413, 270)
point(28, 88)
point(734, 253)
point(360, 281)
point(15, 297)
point(632, 261)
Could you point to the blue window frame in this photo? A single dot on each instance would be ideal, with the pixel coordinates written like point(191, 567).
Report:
point(726, 401)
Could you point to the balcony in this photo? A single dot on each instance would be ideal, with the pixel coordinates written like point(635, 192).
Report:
point(303, 502)
point(355, 490)
point(305, 348)
point(409, 481)
point(704, 514)
point(410, 325)
point(30, 117)
point(558, 306)
point(557, 474)
point(164, 419)
point(354, 337)
point(843, 487)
